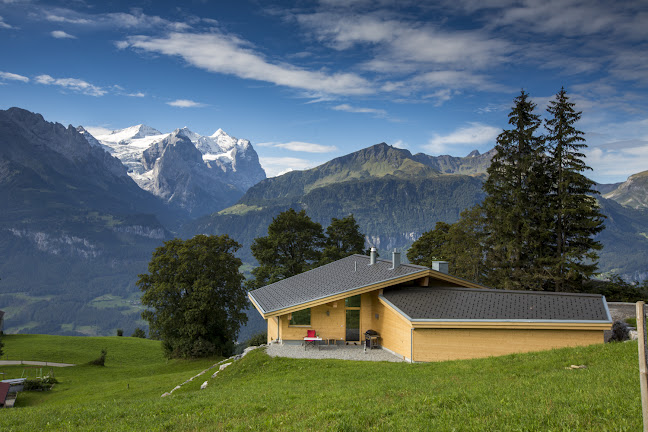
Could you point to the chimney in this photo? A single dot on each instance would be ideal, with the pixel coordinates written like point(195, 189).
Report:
point(372, 256)
point(440, 266)
point(395, 260)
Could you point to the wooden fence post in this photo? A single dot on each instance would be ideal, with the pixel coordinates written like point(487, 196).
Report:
point(643, 369)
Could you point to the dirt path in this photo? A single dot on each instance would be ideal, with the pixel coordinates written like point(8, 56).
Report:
point(33, 363)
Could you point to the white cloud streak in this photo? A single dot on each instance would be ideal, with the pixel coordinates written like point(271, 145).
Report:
point(348, 108)
point(4, 25)
point(73, 84)
point(13, 77)
point(229, 55)
point(275, 166)
point(299, 146)
point(475, 134)
point(185, 103)
point(60, 34)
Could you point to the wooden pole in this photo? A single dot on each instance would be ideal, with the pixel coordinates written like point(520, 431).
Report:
point(643, 368)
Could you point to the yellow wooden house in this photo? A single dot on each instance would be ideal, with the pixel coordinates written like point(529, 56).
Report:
point(425, 314)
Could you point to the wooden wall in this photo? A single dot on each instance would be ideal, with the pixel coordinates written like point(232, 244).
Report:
point(455, 344)
point(273, 329)
point(328, 326)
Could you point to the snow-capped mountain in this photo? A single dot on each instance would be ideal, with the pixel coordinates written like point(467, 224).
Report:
point(198, 173)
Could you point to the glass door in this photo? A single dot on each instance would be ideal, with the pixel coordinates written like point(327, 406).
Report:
point(353, 325)
point(352, 305)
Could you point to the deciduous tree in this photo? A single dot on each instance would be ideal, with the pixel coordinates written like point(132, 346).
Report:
point(194, 294)
point(343, 238)
point(293, 245)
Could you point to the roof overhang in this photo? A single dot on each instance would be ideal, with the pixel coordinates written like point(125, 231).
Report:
point(364, 289)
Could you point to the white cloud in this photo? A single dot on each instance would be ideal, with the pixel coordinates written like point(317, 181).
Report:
point(137, 94)
point(96, 131)
point(74, 84)
point(351, 109)
point(230, 55)
point(612, 165)
point(400, 144)
point(275, 166)
point(473, 135)
point(306, 147)
point(299, 146)
point(4, 25)
point(13, 77)
point(59, 34)
point(185, 103)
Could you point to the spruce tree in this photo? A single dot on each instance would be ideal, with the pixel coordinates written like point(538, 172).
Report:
point(577, 218)
point(516, 217)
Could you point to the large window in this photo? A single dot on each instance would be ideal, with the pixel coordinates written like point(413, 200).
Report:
point(300, 318)
point(352, 301)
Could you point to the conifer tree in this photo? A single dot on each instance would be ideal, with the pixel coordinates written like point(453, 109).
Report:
point(577, 217)
point(516, 217)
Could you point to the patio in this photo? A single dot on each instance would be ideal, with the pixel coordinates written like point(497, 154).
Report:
point(340, 352)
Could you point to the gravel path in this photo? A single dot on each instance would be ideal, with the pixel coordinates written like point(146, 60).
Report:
point(347, 352)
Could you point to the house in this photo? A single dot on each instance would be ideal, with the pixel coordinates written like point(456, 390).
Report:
point(425, 314)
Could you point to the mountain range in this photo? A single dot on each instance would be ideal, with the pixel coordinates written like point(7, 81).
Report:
point(81, 214)
point(195, 173)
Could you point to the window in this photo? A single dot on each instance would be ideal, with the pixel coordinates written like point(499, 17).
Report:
point(300, 318)
point(352, 301)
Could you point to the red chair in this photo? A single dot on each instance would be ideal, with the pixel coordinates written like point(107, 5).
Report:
point(311, 333)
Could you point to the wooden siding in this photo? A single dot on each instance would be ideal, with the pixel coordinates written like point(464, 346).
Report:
point(395, 333)
point(328, 326)
point(273, 329)
point(455, 344)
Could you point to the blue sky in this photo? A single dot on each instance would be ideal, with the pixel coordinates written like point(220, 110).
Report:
point(307, 81)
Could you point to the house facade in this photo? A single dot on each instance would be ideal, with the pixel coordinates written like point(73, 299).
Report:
point(425, 314)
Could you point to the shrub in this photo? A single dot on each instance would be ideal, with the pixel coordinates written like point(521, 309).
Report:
point(139, 333)
point(120, 332)
point(257, 339)
point(620, 332)
point(101, 360)
point(40, 384)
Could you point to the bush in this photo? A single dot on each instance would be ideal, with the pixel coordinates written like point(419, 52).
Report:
point(620, 332)
point(139, 333)
point(257, 339)
point(40, 384)
point(101, 360)
point(120, 332)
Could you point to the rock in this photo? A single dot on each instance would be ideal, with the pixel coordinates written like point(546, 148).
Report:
point(204, 385)
point(633, 335)
point(223, 366)
point(166, 394)
point(214, 375)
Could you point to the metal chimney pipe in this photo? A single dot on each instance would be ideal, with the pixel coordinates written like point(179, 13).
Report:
point(372, 256)
point(395, 260)
point(440, 266)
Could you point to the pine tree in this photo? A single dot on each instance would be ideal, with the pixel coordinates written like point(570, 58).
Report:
point(577, 217)
point(516, 217)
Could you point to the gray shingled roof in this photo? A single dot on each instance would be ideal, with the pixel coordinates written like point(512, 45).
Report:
point(492, 304)
point(337, 277)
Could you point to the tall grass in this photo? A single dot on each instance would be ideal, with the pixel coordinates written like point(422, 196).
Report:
point(522, 392)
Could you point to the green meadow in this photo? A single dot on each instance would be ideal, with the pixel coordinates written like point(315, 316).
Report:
point(521, 392)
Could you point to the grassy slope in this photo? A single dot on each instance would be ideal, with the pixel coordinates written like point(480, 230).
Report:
point(518, 392)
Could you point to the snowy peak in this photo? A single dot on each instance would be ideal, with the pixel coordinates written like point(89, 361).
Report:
point(129, 134)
